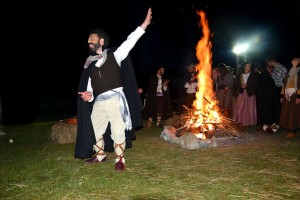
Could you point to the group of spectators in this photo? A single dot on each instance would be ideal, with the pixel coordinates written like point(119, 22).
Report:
point(265, 95)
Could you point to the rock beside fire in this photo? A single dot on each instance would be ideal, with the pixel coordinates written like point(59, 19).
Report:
point(188, 140)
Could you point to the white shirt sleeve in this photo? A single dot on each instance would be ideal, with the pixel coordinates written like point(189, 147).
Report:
point(123, 50)
point(187, 85)
point(90, 89)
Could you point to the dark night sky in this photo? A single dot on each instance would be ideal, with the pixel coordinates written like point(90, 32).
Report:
point(48, 43)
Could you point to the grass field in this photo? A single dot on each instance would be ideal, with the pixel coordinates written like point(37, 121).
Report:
point(263, 167)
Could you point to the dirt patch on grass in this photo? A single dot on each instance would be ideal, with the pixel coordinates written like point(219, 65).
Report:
point(253, 136)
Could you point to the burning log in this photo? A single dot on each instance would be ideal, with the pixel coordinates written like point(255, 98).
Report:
point(224, 124)
point(182, 130)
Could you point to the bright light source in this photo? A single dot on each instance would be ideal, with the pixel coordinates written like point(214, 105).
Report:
point(240, 48)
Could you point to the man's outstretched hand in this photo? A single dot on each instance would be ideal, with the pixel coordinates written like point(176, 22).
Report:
point(147, 20)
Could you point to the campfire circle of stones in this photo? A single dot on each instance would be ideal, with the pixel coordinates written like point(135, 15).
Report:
point(182, 129)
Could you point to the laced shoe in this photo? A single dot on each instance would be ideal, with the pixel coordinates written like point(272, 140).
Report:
point(149, 123)
point(120, 165)
point(94, 160)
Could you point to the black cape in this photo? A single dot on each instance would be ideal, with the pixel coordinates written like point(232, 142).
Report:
point(85, 133)
point(266, 95)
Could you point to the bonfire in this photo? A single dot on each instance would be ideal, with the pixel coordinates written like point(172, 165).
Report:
point(206, 117)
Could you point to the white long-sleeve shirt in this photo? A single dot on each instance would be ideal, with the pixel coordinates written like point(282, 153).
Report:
point(191, 87)
point(120, 54)
point(159, 87)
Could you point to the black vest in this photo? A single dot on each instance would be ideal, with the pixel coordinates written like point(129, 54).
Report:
point(106, 77)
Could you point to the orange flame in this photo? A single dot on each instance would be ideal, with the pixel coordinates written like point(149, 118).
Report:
point(205, 104)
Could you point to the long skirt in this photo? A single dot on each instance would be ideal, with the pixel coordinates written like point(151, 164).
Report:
point(290, 114)
point(245, 109)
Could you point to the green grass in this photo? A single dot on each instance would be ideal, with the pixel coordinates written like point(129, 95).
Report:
point(33, 167)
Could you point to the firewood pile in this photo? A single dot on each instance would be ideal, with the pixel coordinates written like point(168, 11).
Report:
point(224, 126)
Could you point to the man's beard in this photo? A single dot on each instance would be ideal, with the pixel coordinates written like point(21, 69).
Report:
point(93, 48)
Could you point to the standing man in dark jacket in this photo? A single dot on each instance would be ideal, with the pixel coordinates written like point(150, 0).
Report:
point(279, 72)
point(158, 101)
